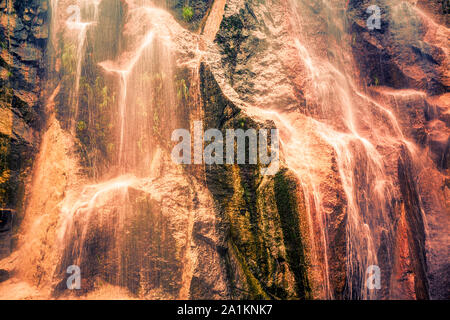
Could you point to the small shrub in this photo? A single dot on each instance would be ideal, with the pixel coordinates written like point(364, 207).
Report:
point(188, 13)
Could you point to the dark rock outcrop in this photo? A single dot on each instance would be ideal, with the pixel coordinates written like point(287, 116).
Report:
point(6, 225)
point(23, 34)
point(407, 52)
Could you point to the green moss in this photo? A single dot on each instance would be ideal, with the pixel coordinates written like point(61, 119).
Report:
point(286, 194)
point(156, 122)
point(255, 289)
point(249, 212)
point(183, 90)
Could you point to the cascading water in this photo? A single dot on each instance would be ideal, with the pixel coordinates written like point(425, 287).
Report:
point(340, 128)
point(361, 133)
point(106, 196)
point(132, 258)
point(368, 198)
point(130, 216)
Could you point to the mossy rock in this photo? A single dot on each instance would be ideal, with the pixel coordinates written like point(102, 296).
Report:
point(261, 217)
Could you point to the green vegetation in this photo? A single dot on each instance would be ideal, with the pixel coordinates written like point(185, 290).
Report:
point(156, 122)
point(188, 13)
point(254, 286)
point(377, 82)
point(81, 126)
point(67, 73)
point(183, 90)
point(68, 59)
point(267, 233)
point(96, 144)
point(287, 199)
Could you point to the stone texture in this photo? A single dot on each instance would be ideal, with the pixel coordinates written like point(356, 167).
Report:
point(22, 69)
point(227, 231)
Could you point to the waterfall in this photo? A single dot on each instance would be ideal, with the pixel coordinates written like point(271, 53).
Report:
point(342, 116)
point(125, 256)
point(352, 192)
point(141, 244)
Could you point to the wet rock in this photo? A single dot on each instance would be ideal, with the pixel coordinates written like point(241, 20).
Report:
point(6, 225)
point(200, 10)
point(40, 32)
point(415, 232)
point(439, 142)
point(21, 62)
point(261, 249)
point(403, 53)
point(150, 238)
point(6, 220)
point(258, 65)
point(28, 53)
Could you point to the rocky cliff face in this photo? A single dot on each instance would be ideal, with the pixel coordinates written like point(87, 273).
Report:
point(363, 121)
point(410, 54)
point(267, 222)
point(257, 65)
point(23, 33)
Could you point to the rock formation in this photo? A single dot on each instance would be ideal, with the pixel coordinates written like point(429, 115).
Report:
point(364, 134)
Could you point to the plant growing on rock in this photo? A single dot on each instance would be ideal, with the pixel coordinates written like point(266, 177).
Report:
point(188, 13)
